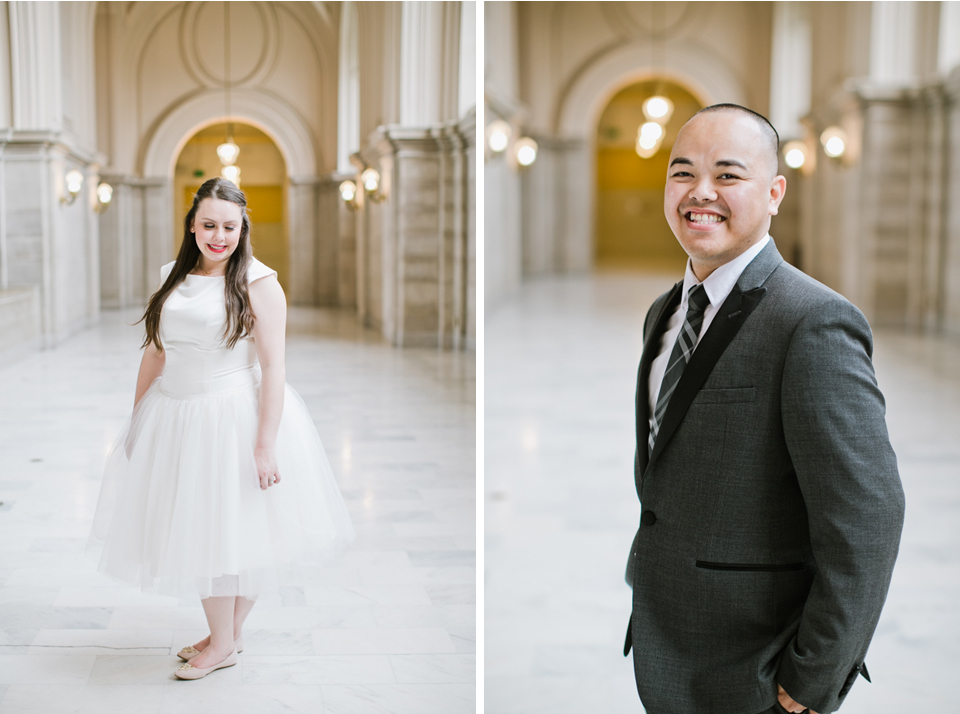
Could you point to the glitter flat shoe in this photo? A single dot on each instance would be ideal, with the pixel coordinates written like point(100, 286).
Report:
point(188, 671)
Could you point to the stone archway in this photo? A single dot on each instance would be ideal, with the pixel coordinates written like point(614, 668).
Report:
point(257, 108)
point(702, 72)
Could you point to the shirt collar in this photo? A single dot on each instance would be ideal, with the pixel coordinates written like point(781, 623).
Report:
point(721, 281)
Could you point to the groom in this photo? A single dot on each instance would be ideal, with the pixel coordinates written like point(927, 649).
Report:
point(771, 503)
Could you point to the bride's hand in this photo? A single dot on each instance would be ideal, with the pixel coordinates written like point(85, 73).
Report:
point(266, 467)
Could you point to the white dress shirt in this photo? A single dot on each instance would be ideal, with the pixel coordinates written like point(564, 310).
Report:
point(718, 286)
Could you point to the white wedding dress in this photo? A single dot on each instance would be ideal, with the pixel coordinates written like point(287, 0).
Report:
point(181, 510)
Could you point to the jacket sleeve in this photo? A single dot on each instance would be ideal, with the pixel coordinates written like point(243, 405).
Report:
point(836, 434)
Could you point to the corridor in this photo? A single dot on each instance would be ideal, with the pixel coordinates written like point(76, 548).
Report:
point(388, 628)
point(561, 508)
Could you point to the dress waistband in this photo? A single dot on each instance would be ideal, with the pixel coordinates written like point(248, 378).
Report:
point(193, 386)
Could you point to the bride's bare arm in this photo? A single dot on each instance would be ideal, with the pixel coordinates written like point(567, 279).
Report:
point(270, 308)
point(151, 367)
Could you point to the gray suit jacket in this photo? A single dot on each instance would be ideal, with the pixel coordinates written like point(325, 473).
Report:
point(771, 504)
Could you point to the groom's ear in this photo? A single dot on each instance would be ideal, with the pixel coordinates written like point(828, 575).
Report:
point(778, 188)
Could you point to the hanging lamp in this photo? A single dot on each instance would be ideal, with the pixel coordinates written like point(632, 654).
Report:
point(228, 152)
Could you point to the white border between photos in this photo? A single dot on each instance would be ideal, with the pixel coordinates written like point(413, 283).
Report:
point(479, 178)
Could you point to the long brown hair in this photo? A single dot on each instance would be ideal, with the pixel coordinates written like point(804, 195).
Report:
point(240, 319)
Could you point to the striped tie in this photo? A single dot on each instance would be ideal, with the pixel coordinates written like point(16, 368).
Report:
point(697, 302)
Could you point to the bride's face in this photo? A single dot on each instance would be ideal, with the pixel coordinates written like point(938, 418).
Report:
point(217, 227)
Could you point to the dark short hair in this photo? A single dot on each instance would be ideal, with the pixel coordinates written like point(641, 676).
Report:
point(766, 128)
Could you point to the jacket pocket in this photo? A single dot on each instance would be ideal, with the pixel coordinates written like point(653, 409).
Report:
point(752, 567)
point(726, 396)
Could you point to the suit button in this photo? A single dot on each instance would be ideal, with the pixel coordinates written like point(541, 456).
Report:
point(648, 518)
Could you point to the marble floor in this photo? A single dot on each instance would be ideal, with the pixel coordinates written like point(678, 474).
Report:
point(387, 629)
point(561, 509)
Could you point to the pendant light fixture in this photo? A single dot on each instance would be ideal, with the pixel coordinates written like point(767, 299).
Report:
point(228, 152)
point(658, 108)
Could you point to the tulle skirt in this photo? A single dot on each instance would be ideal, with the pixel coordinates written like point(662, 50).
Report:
point(181, 511)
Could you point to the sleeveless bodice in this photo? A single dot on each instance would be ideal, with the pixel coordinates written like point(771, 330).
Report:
point(198, 362)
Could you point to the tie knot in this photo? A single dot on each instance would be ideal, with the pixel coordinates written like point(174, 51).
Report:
point(697, 300)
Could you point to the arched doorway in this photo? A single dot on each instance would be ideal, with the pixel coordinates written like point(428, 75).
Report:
point(630, 229)
point(263, 179)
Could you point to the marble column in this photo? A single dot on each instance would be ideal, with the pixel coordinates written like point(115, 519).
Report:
point(414, 265)
point(347, 285)
point(302, 208)
point(502, 227)
point(47, 242)
point(790, 68)
point(469, 208)
point(160, 235)
point(47, 246)
point(502, 192)
point(893, 42)
point(429, 70)
point(412, 245)
point(328, 244)
point(137, 239)
point(121, 246)
point(903, 200)
point(950, 264)
point(874, 223)
point(557, 226)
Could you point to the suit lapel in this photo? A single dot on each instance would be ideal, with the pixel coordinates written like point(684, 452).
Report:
point(651, 349)
point(743, 299)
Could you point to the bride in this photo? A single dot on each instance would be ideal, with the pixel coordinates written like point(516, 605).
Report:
point(218, 484)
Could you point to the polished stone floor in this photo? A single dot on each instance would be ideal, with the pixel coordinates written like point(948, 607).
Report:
point(561, 509)
point(388, 629)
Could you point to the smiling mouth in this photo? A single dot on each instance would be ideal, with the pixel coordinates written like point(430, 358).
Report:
point(216, 248)
point(703, 218)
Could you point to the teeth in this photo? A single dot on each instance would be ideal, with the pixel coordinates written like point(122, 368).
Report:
point(704, 217)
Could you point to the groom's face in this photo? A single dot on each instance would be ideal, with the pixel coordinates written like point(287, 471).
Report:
point(721, 188)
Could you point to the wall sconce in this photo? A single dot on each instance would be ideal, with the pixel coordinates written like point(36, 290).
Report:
point(498, 135)
point(104, 196)
point(348, 192)
point(73, 181)
point(526, 151)
point(795, 154)
point(370, 178)
point(834, 141)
